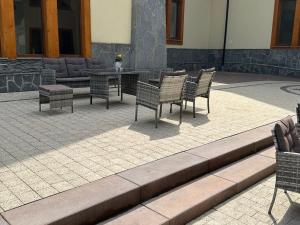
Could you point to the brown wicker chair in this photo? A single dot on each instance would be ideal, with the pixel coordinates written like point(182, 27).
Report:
point(287, 144)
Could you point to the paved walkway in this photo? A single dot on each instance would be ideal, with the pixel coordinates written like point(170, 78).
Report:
point(251, 207)
point(44, 153)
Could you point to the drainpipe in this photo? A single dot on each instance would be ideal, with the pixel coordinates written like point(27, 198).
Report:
point(225, 35)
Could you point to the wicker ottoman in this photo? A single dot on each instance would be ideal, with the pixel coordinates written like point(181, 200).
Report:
point(57, 96)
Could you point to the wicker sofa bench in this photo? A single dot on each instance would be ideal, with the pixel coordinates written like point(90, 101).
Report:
point(72, 71)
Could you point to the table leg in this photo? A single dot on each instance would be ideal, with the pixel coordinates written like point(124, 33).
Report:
point(107, 103)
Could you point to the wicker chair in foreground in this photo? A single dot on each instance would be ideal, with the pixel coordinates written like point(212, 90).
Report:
point(287, 146)
point(199, 87)
point(170, 90)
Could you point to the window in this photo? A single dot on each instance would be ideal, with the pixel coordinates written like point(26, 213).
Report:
point(28, 27)
point(64, 4)
point(35, 3)
point(45, 27)
point(286, 24)
point(175, 21)
point(69, 27)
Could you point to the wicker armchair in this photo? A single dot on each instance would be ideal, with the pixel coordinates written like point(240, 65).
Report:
point(287, 144)
point(170, 91)
point(199, 87)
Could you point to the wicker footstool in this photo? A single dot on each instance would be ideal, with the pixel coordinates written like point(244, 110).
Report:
point(57, 96)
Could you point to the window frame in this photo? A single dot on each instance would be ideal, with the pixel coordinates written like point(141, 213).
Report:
point(34, 55)
point(49, 28)
point(180, 22)
point(295, 43)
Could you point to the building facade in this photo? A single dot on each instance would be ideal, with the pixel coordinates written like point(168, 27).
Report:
point(263, 35)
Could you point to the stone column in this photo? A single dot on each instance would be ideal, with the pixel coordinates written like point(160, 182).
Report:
point(148, 37)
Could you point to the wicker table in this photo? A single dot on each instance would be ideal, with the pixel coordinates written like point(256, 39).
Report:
point(100, 83)
point(57, 96)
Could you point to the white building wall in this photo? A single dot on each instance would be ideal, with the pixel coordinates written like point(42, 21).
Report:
point(249, 25)
point(196, 25)
point(111, 21)
point(217, 28)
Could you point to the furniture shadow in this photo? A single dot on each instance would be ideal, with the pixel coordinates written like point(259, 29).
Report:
point(187, 116)
point(147, 127)
point(292, 214)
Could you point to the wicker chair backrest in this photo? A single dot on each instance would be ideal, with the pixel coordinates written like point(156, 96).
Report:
point(48, 77)
point(285, 136)
point(172, 87)
point(205, 82)
point(169, 73)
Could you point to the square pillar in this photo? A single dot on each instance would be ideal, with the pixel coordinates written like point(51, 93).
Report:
point(148, 37)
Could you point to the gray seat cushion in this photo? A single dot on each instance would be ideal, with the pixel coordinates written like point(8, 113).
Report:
point(286, 135)
point(94, 63)
point(73, 79)
point(56, 89)
point(75, 67)
point(57, 64)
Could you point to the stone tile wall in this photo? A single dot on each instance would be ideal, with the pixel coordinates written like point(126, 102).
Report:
point(26, 75)
point(148, 36)
point(284, 62)
point(108, 52)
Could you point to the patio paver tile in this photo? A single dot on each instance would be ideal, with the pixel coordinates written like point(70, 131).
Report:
point(50, 152)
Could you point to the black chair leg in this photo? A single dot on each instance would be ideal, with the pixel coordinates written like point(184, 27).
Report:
point(91, 100)
point(107, 103)
point(40, 107)
point(136, 112)
point(160, 110)
point(156, 118)
point(273, 200)
point(194, 108)
point(208, 107)
point(171, 108)
point(185, 104)
point(180, 116)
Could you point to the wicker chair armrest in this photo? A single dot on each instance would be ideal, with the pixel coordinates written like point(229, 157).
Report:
point(48, 77)
point(147, 93)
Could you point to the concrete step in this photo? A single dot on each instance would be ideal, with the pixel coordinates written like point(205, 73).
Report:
point(87, 204)
point(107, 197)
point(157, 177)
point(189, 201)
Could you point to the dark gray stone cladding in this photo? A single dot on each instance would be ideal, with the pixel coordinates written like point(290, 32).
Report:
point(148, 35)
point(284, 62)
point(108, 52)
point(26, 75)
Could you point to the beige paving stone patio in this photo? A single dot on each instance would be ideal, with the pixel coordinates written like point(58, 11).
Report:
point(44, 153)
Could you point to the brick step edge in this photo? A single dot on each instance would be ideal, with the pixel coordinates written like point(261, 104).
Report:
point(185, 203)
